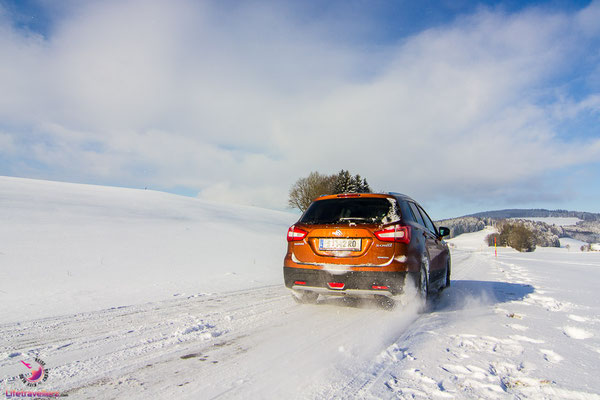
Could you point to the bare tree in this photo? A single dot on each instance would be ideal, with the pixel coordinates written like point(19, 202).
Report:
point(305, 190)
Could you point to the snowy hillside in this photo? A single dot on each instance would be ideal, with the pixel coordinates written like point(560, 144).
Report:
point(67, 248)
point(132, 294)
point(558, 221)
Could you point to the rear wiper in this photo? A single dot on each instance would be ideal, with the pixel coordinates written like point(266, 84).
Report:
point(319, 222)
point(354, 219)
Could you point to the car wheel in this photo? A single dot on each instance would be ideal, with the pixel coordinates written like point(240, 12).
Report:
point(305, 297)
point(447, 284)
point(423, 289)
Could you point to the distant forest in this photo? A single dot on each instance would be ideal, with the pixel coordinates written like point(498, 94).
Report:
point(587, 230)
point(536, 213)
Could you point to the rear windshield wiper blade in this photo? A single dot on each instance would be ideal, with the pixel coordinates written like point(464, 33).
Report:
point(318, 222)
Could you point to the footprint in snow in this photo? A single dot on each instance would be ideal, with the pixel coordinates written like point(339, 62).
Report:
point(520, 338)
point(518, 327)
point(578, 318)
point(576, 333)
point(547, 302)
point(551, 356)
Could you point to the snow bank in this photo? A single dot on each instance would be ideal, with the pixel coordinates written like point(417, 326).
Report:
point(67, 248)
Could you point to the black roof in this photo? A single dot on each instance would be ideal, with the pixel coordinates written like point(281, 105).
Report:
point(402, 196)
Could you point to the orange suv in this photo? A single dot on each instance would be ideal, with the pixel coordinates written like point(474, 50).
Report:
point(365, 245)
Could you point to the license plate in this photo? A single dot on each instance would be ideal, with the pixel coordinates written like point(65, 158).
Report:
point(340, 244)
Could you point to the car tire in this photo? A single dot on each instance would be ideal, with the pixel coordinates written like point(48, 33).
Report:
point(305, 297)
point(423, 288)
point(447, 284)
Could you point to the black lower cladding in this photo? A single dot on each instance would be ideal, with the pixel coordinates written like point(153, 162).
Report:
point(364, 280)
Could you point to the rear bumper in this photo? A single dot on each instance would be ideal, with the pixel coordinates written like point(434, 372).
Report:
point(356, 283)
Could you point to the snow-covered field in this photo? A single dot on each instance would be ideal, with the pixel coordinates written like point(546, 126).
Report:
point(89, 276)
point(574, 244)
point(66, 248)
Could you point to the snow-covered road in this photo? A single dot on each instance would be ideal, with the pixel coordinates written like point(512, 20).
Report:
point(248, 343)
point(493, 334)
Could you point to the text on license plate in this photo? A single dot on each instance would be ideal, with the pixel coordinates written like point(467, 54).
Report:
point(340, 244)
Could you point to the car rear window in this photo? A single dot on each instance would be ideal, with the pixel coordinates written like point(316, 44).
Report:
point(366, 210)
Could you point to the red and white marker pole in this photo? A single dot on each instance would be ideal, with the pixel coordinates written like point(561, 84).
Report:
point(495, 249)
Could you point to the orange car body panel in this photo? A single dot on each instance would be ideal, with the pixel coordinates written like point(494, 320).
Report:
point(372, 258)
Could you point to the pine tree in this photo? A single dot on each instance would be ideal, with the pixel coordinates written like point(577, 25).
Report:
point(365, 188)
point(343, 181)
point(354, 184)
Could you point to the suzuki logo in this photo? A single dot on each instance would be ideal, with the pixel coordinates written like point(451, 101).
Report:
point(338, 233)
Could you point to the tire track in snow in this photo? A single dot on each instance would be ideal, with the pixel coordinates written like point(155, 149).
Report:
point(118, 340)
point(237, 337)
point(376, 371)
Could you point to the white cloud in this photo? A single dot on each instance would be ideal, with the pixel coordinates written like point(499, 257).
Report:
point(7, 145)
point(240, 102)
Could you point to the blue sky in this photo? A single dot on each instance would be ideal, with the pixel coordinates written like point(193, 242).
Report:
point(466, 106)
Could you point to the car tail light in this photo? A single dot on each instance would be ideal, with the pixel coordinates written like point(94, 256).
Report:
point(380, 287)
point(294, 234)
point(395, 233)
point(299, 282)
point(336, 285)
point(344, 195)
